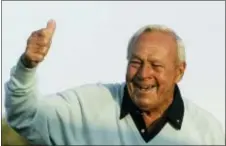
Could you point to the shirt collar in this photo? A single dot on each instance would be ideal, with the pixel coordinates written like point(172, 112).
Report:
point(174, 113)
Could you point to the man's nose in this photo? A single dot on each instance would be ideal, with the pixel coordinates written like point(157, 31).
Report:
point(145, 72)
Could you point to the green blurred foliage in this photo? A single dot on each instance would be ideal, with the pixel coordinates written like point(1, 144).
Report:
point(10, 137)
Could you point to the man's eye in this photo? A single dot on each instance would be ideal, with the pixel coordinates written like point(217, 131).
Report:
point(135, 62)
point(156, 65)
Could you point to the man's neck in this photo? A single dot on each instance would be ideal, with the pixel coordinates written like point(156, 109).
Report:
point(156, 113)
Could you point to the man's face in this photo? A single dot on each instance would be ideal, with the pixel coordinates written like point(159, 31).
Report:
point(153, 70)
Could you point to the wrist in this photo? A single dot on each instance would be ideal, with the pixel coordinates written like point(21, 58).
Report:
point(25, 62)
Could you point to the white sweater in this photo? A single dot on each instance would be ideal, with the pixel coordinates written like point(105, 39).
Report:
point(89, 115)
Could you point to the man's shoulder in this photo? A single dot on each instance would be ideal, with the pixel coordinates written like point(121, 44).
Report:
point(196, 112)
point(202, 121)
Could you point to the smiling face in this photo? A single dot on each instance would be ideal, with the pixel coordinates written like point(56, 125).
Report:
point(153, 70)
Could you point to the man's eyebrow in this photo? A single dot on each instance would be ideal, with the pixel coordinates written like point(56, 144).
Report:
point(153, 59)
point(157, 60)
point(135, 56)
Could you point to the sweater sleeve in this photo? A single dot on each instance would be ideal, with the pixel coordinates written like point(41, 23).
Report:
point(37, 119)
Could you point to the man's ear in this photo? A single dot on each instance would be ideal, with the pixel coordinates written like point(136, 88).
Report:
point(180, 71)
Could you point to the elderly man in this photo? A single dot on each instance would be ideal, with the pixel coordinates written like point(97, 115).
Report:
point(147, 109)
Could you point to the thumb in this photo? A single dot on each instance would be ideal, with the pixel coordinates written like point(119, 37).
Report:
point(51, 26)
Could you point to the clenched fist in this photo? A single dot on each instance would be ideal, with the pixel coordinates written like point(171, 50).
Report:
point(38, 45)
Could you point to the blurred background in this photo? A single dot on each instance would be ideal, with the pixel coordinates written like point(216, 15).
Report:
point(91, 38)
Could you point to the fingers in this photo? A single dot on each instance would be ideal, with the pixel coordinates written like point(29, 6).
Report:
point(39, 39)
point(37, 49)
point(34, 57)
point(42, 33)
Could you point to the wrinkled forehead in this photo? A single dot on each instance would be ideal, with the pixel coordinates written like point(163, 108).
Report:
point(162, 40)
point(155, 44)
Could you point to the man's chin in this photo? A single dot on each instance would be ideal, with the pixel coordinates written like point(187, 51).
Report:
point(142, 105)
point(145, 104)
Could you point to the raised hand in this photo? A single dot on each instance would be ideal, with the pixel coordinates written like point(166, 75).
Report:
point(38, 45)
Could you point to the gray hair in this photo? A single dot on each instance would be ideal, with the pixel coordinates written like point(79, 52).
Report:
point(161, 28)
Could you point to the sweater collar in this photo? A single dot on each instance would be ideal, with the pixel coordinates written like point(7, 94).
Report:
point(174, 113)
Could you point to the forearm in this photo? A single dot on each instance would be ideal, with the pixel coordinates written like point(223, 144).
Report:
point(28, 113)
point(20, 94)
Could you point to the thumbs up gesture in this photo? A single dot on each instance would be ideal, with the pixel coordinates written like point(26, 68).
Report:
point(38, 45)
